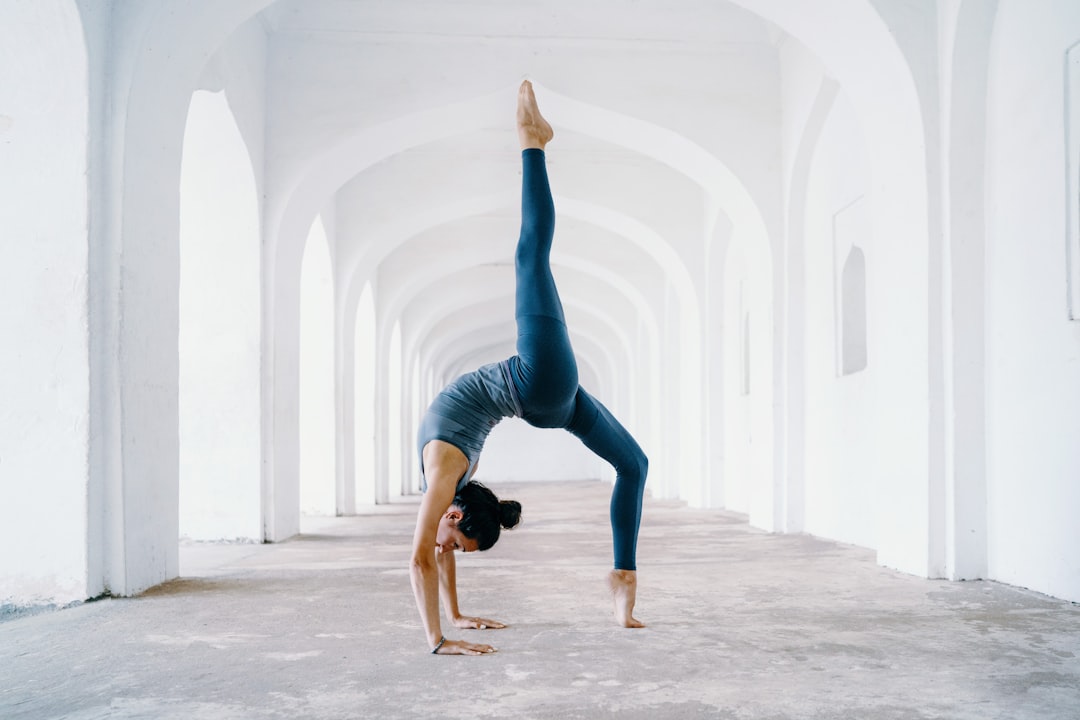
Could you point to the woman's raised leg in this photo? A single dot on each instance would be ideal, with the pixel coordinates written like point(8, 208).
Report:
point(545, 371)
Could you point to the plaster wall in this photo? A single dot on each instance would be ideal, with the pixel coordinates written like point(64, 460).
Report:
point(840, 493)
point(44, 416)
point(748, 392)
point(965, 32)
point(859, 49)
point(1033, 350)
point(807, 99)
point(155, 55)
point(801, 79)
point(715, 370)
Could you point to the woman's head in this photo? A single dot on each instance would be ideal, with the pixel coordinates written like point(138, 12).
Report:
point(483, 514)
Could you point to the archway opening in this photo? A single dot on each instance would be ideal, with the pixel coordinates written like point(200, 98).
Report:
point(219, 330)
point(317, 430)
point(394, 395)
point(364, 385)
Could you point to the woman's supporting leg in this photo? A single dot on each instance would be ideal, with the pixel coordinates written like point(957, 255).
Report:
point(598, 429)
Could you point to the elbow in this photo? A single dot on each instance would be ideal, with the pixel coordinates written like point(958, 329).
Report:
point(421, 564)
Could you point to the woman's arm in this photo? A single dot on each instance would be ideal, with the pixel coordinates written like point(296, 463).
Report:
point(448, 592)
point(443, 465)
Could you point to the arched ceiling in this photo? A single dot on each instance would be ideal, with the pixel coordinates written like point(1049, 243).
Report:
point(401, 113)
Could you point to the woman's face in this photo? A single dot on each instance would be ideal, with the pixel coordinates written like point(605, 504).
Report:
point(448, 538)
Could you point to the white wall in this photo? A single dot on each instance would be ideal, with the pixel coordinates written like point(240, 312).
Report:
point(44, 414)
point(153, 60)
point(748, 385)
point(1033, 350)
point(840, 491)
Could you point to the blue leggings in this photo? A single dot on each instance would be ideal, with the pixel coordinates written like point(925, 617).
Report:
point(544, 371)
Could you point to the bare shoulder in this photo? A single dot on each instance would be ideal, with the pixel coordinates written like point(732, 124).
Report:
point(444, 465)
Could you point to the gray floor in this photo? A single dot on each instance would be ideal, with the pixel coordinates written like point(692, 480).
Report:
point(742, 624)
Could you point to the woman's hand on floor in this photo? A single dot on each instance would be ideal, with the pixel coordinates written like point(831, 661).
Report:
point(460, 647)
point(475, 623)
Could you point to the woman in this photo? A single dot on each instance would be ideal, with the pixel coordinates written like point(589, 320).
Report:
point(540, 385)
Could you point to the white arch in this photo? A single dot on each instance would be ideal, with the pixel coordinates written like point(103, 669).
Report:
point(959, 517)
point(330, 170)
point(396, 234)
point(141, 110)
point(327, 172)
point(886, 99)
point(790, 437)
point(749, 477)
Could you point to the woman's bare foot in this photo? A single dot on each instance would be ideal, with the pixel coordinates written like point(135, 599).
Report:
point(533, 130)
point(623, 584)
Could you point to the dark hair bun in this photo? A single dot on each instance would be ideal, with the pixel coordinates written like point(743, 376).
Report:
point(509, 513)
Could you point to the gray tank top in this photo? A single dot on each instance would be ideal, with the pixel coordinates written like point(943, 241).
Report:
point(465, 412)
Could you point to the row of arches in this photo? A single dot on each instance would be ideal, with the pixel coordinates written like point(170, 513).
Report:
point(285, 228)
point(747, 278)
point(725, 311)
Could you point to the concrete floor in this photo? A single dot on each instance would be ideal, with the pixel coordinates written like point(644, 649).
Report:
point(742, 624)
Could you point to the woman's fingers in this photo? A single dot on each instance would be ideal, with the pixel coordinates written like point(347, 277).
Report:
point(480, 649)
point(475, 623)
point(460, 647)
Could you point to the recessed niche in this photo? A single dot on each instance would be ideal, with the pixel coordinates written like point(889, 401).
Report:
point(746, 354)
point(853, 313)
point(1072, 162)
point(851, 229)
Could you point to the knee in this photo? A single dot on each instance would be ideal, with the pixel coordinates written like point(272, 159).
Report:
point(636, 467)
point(643, 466)
point(531, 249)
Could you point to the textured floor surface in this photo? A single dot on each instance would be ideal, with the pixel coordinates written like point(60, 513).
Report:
point(742, 624)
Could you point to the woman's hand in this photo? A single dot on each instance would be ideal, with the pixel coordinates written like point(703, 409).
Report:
point(460, 647)
point(475, 623)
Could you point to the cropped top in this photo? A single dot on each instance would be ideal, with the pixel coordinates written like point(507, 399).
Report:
point(465, 412)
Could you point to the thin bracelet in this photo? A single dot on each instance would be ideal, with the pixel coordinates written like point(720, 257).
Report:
point(441, 641)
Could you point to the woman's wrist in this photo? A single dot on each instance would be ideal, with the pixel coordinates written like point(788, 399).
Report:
point(438, 645)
